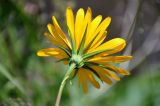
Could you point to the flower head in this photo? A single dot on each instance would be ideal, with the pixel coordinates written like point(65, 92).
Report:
point(84, 49)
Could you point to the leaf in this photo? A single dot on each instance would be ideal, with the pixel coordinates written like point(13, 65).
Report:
point(6, 73)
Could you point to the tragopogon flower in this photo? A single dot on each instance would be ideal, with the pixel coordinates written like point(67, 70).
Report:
point(83, 49)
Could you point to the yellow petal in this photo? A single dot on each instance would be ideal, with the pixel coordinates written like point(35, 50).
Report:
point(56, 34)
point(115, 50)
point(110, 45)
point(118, 70)
point(98, 40)
point(112, 75)
point(103, 26)
point(102, 75)
point(51, 30)
point(52, 39)
point(105, 71)
point(91, 78)
point(87, 20)
point(66, 62)
point(83, 80)
point(111, 59)
point(55, 22)
point(92, 28)
point(44, 52)
point(60, 33)
point(55, 41)
point(106, 79)
point(70, 20)
point(55, 52)
point(101, 30)
point(78, 26)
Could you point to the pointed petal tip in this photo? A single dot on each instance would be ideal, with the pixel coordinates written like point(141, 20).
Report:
point(69, 8)
point(126, 73)
point(49, 25)
point(45, 33)
point(37, 53)
point(109, 18)
point(98, 86)
point(99, 16)
point(80, 9)
point(131, 57)
point(53, 18)
point(89, 10)
point(118, 79)
point(40, 53)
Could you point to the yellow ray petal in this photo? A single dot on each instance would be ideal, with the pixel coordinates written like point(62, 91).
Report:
point(116, 69)
point(56, 35)
point(101, 29)
point(90, 77)
point(61, 34)
point(66, 62)
point(102, 75)
point(53, 32)
point(70, 20)
point(116, 50)
point(87, 20)
point(106, 79)
point(110, 45)
point(55, 41)
point(98, 40)
point(103, 26)
point(44, 52)
point(52, 39)
point(92, 28)
point(83, 80)
point(112, 75)
point(55, 52)
point(51, 29)
point(105, 71)
point(55, 22)
point(78, 26)
point(111, 59)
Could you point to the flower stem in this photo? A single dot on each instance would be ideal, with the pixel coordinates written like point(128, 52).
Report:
point(66, 77)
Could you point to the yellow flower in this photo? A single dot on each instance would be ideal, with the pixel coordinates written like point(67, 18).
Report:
point(83, 50)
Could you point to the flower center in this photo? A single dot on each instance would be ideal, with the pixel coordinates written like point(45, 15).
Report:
point(78, 60)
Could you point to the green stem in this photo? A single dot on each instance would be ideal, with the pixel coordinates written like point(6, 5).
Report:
point(66, 77)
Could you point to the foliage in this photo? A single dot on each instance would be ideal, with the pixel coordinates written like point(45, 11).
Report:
point(28, 79)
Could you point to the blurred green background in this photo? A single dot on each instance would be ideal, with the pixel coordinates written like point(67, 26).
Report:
point(28, 80)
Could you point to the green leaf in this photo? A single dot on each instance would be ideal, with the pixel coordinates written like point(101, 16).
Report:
point(6, 73)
